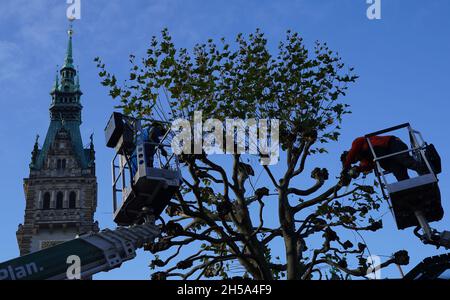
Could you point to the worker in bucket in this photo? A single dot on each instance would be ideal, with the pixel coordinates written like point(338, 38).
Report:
point(152, 140)
point(383, 145)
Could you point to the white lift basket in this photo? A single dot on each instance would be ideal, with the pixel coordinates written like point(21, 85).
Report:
point(144, 172)
point(417, 199)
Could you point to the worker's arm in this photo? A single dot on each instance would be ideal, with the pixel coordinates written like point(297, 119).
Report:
point(161, 147)
point(353, 153)
point(366, 166)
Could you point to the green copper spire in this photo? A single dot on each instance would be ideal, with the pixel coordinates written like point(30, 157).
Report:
point(65, 111)
point(56, 85)
point(35, 153)
point(69, 79)
point(68, 62)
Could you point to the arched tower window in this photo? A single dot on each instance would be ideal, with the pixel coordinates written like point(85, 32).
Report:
point(63, 164)
point(73, 200)
point(59, 200)
point(58, 164)
point(46, 203)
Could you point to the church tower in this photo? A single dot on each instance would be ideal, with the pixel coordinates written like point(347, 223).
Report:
point(61, 190)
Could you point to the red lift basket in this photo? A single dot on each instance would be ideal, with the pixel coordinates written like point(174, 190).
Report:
point(417, 194)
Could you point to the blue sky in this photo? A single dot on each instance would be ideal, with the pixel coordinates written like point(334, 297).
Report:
point(403, 62)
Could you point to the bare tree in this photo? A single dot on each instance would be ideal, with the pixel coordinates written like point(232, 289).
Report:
point(220, 204)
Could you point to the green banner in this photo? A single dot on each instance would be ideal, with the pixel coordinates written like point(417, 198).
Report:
point(50, 262)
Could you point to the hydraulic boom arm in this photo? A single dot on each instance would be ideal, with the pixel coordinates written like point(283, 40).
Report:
point(94, 253)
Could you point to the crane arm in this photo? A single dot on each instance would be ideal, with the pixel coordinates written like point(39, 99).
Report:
point(95, 252)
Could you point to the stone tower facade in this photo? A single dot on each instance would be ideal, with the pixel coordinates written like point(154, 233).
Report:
point(61, 190)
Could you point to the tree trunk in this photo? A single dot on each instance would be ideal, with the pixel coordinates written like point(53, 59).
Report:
point(289, 235)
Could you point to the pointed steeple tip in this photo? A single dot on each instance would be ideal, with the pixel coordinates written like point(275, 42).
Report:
point(68, 62)
point(56, 84)
point(35, 152)
point(91, 141)
point(70, 31)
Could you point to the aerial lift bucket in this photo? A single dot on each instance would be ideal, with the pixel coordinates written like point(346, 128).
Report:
point(415, 195)
point(145, 189)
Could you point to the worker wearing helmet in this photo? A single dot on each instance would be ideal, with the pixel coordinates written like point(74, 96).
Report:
point(383, 145)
